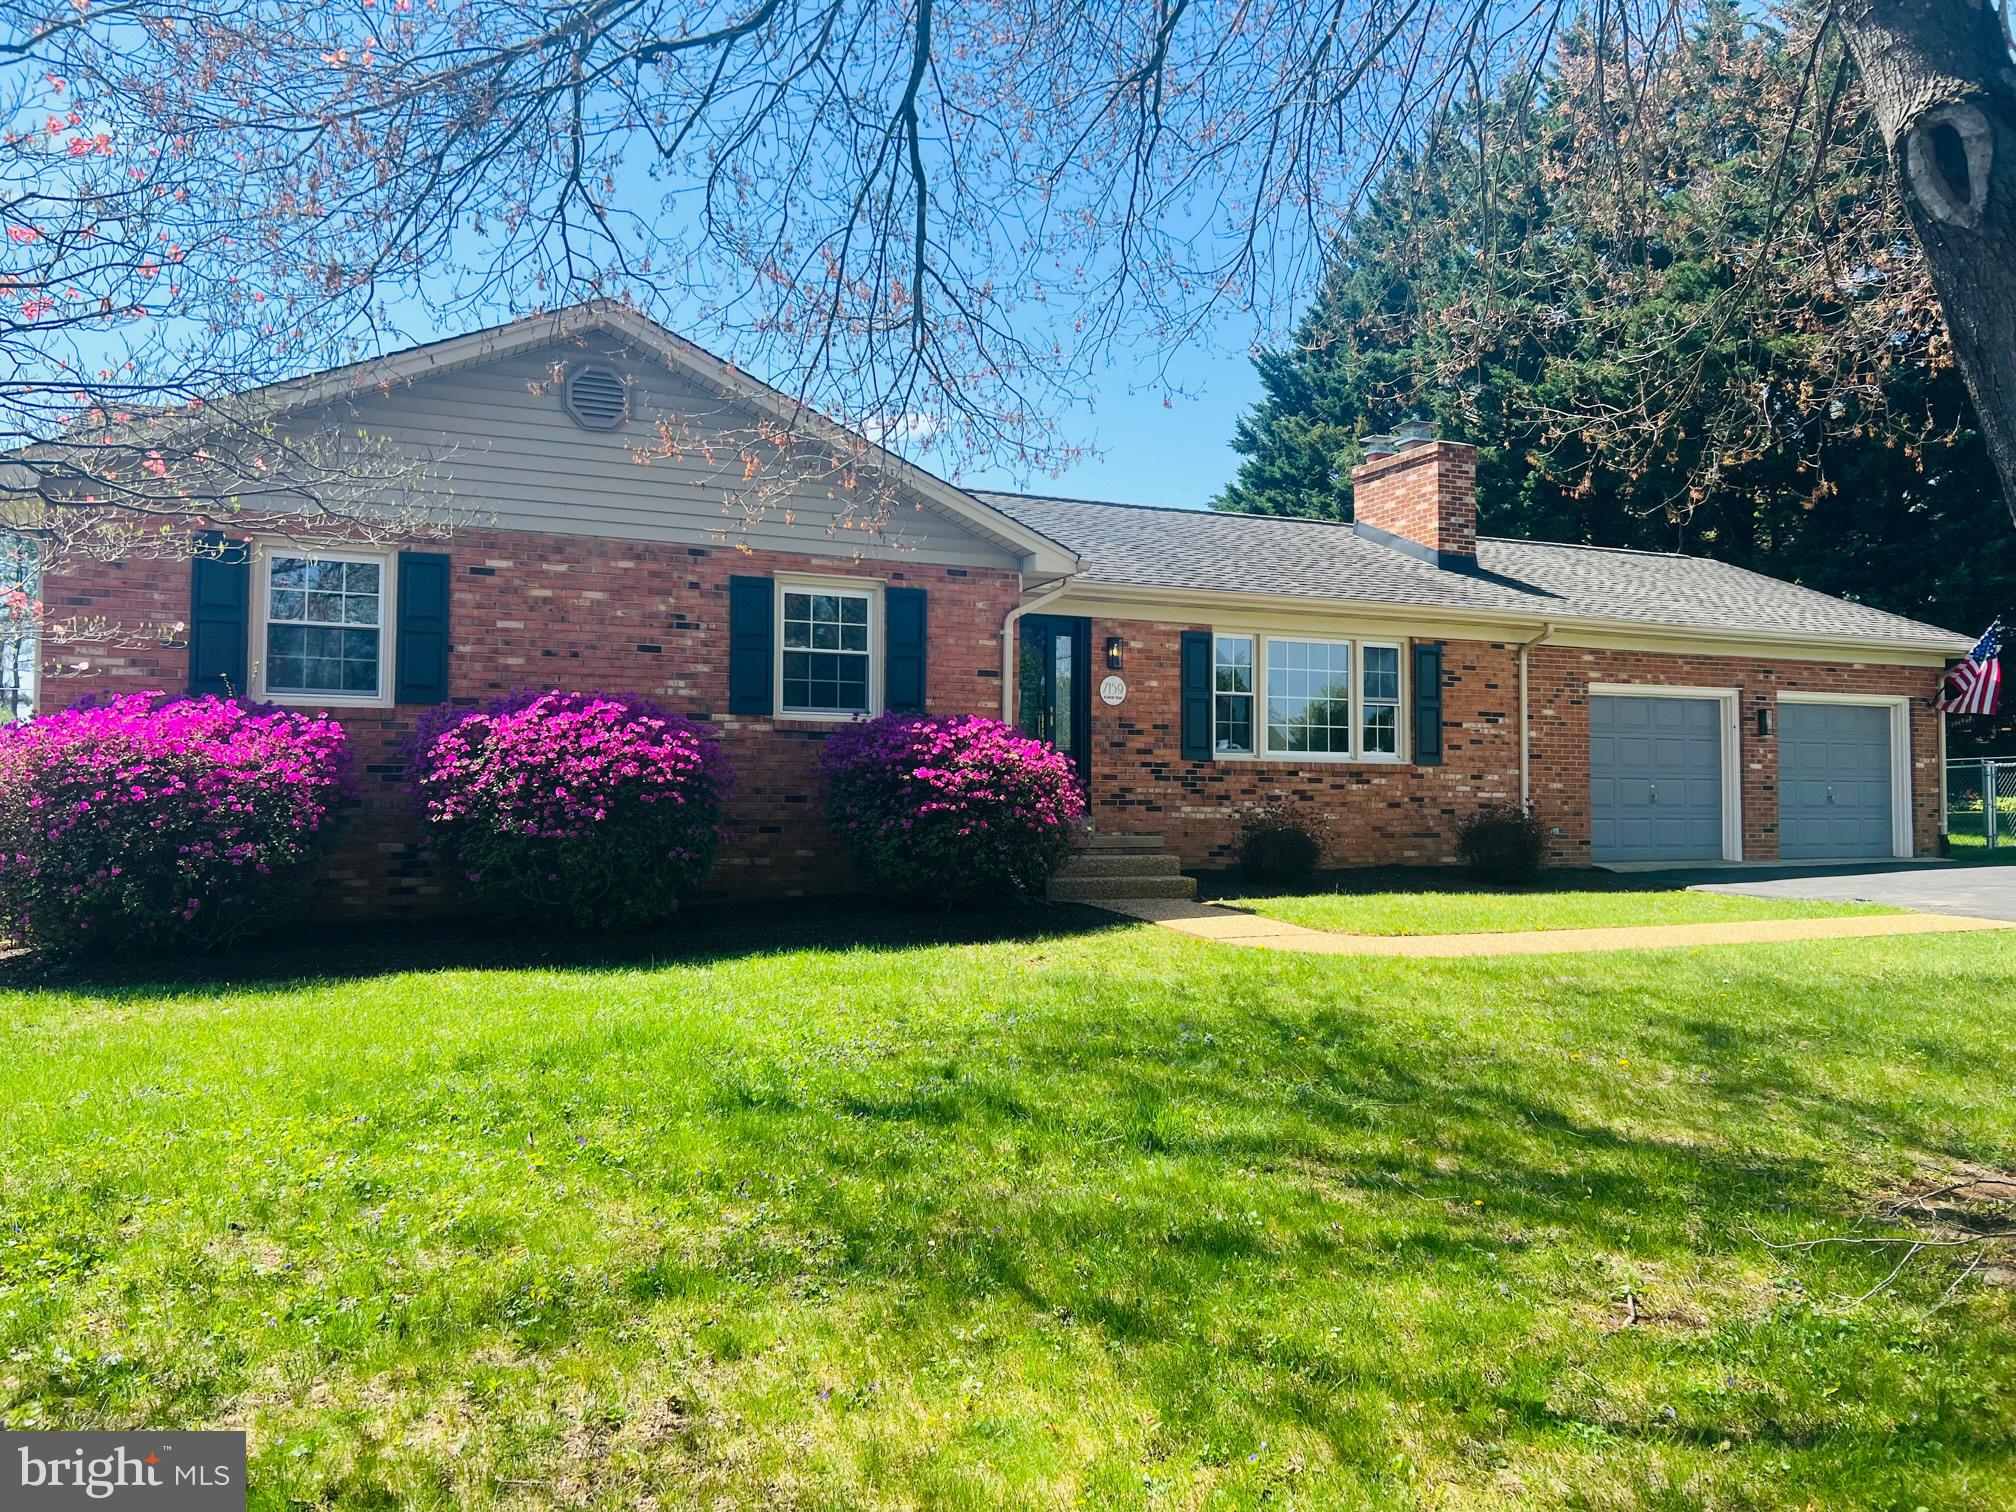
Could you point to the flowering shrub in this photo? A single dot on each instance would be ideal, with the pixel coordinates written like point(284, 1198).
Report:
point(950, 808)
point(599, 808)
point(155, 821)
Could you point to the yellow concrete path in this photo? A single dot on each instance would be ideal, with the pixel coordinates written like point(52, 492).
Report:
point(1229, 926)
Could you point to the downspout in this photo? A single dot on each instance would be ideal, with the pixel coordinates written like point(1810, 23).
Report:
point(1008, 643)
point(1525, 735)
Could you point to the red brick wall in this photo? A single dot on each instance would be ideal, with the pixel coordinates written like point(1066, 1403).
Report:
point(1559, 680)
point(1383, 815)
point(578, 613)
point(1379, 814)
point(1427, 494)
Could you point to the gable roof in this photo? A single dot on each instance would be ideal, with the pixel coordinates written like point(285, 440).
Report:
point(1209, 552)
point(1041, 555)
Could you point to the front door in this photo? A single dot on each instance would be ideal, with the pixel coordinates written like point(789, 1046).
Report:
point(1055, 694)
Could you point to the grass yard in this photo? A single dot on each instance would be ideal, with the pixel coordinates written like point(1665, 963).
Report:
point(1360, 906)
point(1049, 1213)
point(1975, 850)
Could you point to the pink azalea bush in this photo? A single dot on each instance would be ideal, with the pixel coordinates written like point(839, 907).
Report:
point(152, 821)
point(598, 809)
point(951, 808)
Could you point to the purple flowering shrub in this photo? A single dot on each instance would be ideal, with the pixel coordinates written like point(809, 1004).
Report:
point(597, 808)
point(153, 821)
point(951, 808)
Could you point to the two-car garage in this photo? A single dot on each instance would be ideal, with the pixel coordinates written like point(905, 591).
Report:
point(1664, 776)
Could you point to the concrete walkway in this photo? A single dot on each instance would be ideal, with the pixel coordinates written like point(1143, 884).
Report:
point(1229, 926)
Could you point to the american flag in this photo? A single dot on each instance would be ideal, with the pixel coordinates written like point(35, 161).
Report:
point(1975, 686)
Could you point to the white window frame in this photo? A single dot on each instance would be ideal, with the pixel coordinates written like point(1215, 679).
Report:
point(1357, 755)
point(387, 563)
point(812, 583)
point(1903, 840)
point(1254, 707)
point(1362, 702)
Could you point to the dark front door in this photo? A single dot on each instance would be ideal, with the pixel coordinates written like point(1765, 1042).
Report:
point(1055, 696)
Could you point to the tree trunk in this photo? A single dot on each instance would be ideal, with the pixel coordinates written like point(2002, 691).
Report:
point(1939, 76)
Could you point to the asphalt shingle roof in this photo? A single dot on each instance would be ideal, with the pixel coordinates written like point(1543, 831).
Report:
point(1144, 546)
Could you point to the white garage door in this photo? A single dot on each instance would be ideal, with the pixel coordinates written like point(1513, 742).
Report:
point(1655, 778)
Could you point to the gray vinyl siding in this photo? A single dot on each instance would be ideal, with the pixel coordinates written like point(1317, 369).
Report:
point(501, 452)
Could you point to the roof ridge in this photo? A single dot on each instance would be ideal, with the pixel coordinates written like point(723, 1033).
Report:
point(1206, 512)
point(1644, 551)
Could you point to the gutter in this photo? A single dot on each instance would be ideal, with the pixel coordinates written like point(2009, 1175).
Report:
point(1008, 625)
point(1525, 737)
point(1494, 624)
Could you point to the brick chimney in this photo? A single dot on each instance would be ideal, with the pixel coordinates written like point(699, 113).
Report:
point(1418, 494)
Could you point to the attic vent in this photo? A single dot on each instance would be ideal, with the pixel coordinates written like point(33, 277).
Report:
point(595, 396)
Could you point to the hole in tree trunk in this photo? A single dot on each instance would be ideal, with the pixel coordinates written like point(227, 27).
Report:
point(1949, 158)
point(1948, 155)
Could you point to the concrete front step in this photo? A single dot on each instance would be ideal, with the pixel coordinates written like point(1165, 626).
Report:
point(1107, 889)
point(1126, 863)
point(1121, 843)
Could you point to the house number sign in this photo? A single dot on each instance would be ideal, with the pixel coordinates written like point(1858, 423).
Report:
point(1113, 690)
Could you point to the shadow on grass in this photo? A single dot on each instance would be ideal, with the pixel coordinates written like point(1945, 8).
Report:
point(704, 932)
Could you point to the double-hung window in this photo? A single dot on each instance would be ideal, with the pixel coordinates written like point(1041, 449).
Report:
point(325, 621)
point(1286, 697)
point(1232, 695)
point(1379, 702)
point(826, 649)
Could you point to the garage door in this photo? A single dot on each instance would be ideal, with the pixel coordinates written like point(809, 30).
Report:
point(1833, 781)
point(1655, 778)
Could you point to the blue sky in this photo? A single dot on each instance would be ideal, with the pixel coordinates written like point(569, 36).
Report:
point(1148, 452)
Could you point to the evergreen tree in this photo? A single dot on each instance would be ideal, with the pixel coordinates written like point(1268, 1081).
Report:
point(1647, 355)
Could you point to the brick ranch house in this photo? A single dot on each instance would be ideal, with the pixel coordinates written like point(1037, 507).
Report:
point(1395, 673)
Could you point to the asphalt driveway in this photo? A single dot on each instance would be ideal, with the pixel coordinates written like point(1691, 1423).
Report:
point(1981, 892)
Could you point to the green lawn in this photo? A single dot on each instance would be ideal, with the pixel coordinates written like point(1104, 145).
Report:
point(1085, 1214)
point(1974, 848)
point(1455, 909)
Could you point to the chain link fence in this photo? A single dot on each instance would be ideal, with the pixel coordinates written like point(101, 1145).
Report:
point(1980, 804)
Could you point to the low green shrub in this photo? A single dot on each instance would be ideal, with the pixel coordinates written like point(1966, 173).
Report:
point(1502, 843)
point(1281, 844)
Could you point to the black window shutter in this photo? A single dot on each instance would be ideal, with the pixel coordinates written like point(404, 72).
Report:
point(1196, 685)
point(421, 651)
point(903, 617)
point(220, 612)
point(751, 644)
point(1428, 703)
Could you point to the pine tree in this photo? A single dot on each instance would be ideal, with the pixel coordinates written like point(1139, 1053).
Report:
point(1644, 353)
